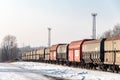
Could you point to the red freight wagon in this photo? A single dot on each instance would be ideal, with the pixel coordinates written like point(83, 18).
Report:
point(75, 50)
point(53, 52)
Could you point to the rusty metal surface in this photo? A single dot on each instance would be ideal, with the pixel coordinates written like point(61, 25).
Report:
point(91, 46)
point(53, 51)
point(112, 45)
point(62, 48)
point(75, 50)
point(40, 51)
point(47, 50)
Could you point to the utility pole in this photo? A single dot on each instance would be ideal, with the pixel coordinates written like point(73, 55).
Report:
point(94, 26)
point(49, 37)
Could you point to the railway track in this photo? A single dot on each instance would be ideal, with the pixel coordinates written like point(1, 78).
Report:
point(97, 69)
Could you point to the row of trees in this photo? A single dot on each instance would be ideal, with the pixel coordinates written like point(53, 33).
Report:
point(112, 33)
point(9, 48)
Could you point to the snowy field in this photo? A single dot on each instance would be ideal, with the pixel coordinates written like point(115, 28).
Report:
point(37, 71)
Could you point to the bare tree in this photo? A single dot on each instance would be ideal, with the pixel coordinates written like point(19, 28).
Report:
point(116, 30)
point(107, 34)
point(111, 33)
point(9, 48)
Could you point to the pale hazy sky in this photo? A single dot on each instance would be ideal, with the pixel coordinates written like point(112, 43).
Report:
point(69, 19)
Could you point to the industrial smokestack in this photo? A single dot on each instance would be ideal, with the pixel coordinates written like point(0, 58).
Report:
point(94, 25)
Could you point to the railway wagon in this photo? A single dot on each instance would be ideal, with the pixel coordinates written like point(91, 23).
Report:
point(31, 55)
point(112, 53)
point(62, 54)
point(28, 56)
point(40, 54)
point(53, 53)
point(23, 56)
point(75, 52)
point(47, 55)
point(93, 53)
point(34, 55)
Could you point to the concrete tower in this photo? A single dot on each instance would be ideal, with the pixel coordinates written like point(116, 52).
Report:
point(49, 37)
point(94, 26)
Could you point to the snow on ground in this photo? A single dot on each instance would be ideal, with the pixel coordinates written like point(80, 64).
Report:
point(38, 71)
point(11, 72)
point(64, 72)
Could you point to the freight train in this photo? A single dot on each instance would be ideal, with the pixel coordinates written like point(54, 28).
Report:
point(101, 54)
